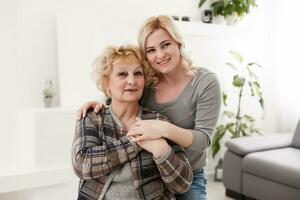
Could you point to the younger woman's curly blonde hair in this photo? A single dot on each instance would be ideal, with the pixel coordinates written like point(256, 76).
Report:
point(103, 64)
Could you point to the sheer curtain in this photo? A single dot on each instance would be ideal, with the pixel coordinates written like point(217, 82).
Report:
point(287, 61)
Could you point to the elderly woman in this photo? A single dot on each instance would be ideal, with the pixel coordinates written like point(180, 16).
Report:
point(109, 164)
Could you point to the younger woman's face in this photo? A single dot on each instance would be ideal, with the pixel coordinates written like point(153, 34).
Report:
point(126, 81)
point(162, 52)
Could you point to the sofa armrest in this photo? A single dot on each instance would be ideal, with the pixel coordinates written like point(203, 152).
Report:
point(246, 145)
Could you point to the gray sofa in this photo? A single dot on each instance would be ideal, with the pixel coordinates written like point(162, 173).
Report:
point(263, 167)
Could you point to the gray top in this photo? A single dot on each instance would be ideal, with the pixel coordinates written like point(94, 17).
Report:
point(121, 186)
point(196, 108)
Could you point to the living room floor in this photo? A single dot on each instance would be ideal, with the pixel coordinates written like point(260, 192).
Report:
point(216, 191)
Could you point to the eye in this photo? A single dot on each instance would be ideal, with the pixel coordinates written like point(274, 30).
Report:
point(122, 74)
point(150, 50)
point(165, 45)
point(139, 73)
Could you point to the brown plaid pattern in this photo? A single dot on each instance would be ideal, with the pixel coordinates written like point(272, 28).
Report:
point(100, 146)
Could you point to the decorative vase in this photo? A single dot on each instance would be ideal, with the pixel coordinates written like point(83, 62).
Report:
point(219, 19)
point(232, 19)
point(219, 170)
point(48, 102)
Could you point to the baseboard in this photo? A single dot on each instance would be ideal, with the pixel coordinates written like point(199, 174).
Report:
point(234, 195)
point(237, 196)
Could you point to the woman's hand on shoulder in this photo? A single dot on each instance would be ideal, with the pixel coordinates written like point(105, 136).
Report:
point(148, 130)
point(97, 106)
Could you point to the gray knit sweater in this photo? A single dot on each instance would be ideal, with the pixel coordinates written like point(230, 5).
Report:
point(196, 108)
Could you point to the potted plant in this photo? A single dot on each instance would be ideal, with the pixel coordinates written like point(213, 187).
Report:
point(231, 10)
point(48, 93)
point(235, 122)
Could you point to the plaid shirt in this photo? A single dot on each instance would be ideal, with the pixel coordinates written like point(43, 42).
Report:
point(101, 146)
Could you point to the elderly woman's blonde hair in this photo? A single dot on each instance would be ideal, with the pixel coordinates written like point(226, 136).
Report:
point(103, 64)
point(164, 22)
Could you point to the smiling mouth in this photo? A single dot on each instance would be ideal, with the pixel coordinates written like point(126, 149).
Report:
point(164, 61)
point(131, 90)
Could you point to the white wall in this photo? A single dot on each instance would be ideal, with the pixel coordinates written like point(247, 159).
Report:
point(9, 86)
point(288, 65)
point(37, 49)
point(85, 28)
point(29, 51)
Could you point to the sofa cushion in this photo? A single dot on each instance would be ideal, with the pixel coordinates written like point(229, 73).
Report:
point(280, 165)
point(296, 138)
point(245, 145)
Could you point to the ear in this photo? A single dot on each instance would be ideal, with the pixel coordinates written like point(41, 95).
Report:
point(108, 92)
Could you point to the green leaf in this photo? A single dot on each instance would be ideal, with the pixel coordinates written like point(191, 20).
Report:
point(218, 8)
point(258, 132)
point(254, 64)
point(252, 90)
point(215, 149)
point(244, 133)
point(257, 89)
point(256, 84)
point(261, 102)
point(229, 125)
point(243, 126)
point(238, 81)
point(231, 65)
point(249, 118)
point(201, 3)
point(228, 114)
point(224, 98)
point(220, 132)
point(251, 73)
point(231, 130)
point(237, 56)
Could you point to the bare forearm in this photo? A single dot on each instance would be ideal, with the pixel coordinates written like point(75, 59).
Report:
point(180, 136)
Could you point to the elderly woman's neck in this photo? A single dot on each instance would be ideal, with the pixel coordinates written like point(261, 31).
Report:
point(126, 113)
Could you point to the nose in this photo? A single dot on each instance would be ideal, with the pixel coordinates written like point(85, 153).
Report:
point(160, 53)
point(131, 80)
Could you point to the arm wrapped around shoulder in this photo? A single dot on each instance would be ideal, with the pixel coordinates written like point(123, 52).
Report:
point(208, 105)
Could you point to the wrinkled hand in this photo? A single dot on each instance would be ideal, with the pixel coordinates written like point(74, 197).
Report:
point(148, 130)
point(97, 106)
point(157, 147)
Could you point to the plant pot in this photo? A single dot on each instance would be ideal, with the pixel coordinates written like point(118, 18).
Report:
point(48, 102)
point(219, 19)
point(232, 19)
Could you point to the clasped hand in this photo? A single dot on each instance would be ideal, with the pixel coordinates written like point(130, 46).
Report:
point(148, 130)
point(148, 135)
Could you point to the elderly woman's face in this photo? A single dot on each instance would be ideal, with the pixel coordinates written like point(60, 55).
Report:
point(126, 81)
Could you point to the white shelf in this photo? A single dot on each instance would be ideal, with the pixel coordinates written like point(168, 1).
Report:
point(208, 30)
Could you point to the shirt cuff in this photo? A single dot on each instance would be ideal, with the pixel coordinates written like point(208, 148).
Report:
point(135, 145)
point(164, 157)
